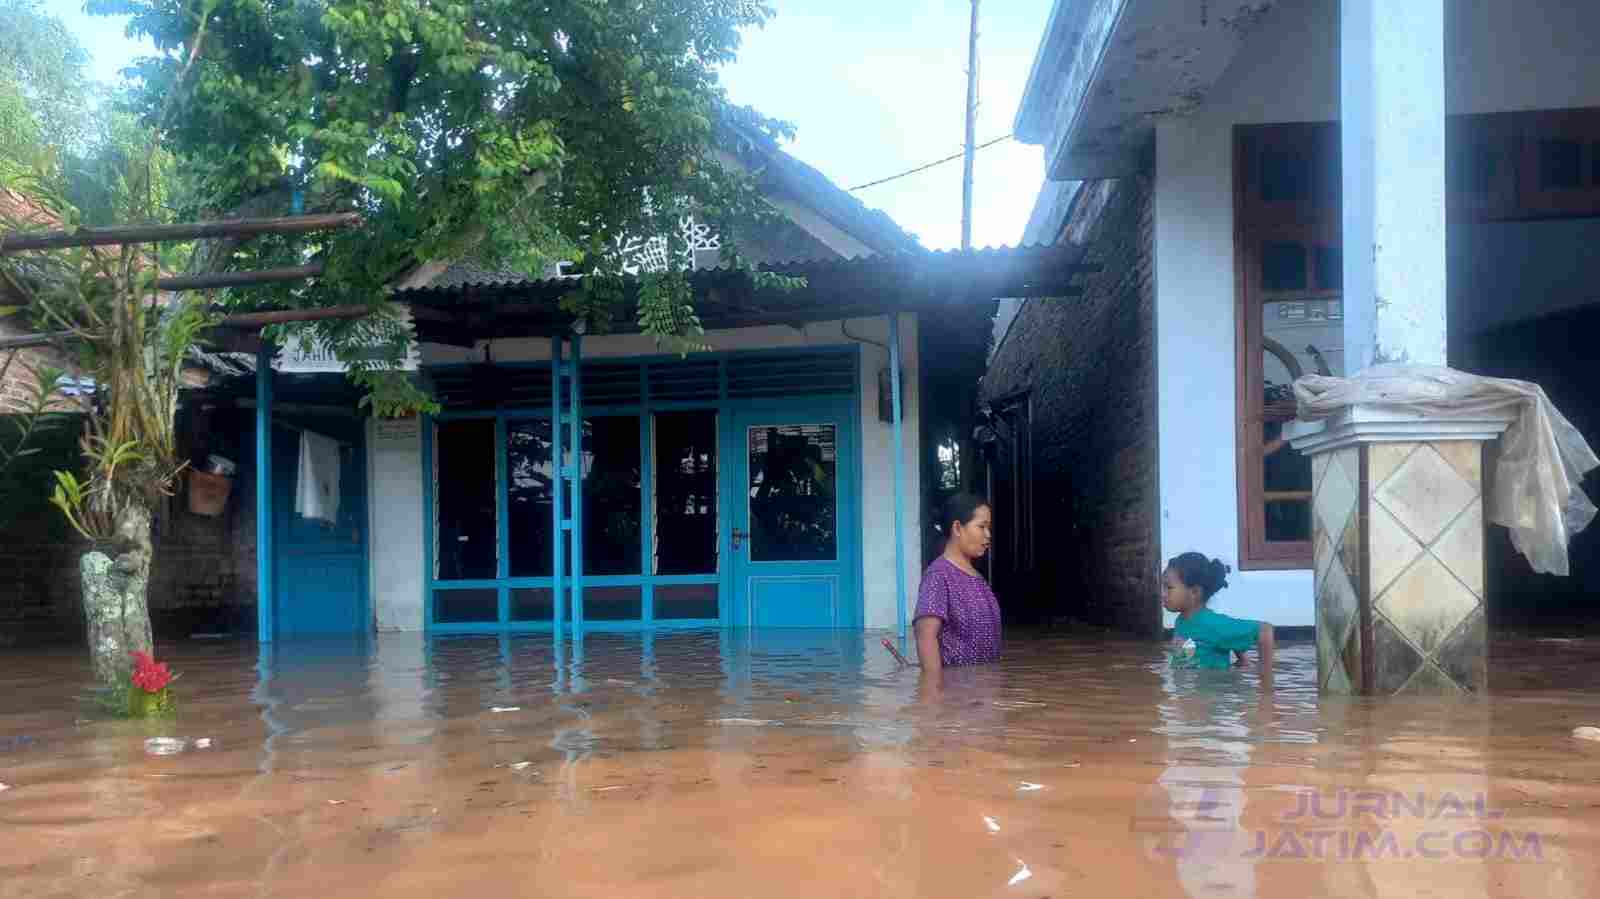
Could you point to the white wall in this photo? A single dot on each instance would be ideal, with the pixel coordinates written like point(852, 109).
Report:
point(1501, 56)
point(398, 578)
point(1278, 76)
point(398, 582)
point(877, 475)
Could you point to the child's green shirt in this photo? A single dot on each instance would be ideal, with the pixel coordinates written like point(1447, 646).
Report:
point(1213, 636)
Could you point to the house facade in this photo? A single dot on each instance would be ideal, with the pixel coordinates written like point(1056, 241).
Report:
point(1291, 187)
point(580, 478)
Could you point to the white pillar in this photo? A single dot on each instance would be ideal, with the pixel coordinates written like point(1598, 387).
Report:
point(1392, 134)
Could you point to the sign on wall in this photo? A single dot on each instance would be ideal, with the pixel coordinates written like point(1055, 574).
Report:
point(398, 430)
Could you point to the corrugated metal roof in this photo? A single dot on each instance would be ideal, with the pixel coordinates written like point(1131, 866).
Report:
point(727, 298)
point(464, 274)
point(1035, 258)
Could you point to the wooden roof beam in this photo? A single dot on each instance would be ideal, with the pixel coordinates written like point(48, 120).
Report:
point(20, 242)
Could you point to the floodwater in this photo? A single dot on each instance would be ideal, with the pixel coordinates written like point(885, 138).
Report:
point(762, 764)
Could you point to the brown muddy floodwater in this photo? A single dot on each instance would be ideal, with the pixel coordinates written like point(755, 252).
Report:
point(757, 764)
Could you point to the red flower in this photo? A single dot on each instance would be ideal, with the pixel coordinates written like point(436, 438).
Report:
point(148, 675)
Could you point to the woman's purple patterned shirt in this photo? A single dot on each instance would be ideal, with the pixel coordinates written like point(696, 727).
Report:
point(966, 605)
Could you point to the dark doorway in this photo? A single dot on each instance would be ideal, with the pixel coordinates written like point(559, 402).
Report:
point(1007, 438)
point(1560, 353)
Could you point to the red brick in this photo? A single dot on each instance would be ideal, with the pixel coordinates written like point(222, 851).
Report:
point(1089, 363)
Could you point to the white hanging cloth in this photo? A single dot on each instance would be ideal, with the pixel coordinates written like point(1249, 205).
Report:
point(1538, 480)
point(316, 494)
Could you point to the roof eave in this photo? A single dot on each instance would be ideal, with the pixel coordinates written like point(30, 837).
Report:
point(1109, 69)
point(835, 289)
point(1075, 37)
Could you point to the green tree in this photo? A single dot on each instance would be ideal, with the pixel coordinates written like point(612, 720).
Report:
point(68, 155)
point(45, 95)
point(493, 130)
point(63, 134)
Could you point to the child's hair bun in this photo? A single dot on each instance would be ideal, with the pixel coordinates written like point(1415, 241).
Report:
point(1219, 574)
point(1195, 570)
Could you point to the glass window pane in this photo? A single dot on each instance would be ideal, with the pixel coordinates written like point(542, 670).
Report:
point(1286, 487)
point(1472, 167)
point(613, 603)
point(793, 493)
point(1330, 268)
point(1288, 521)
point(612, 503)
point(1300, 336)
point(533, 604)
point(532, 492)
point(466, 606)
point(1286, 471)
point(687, 602)
point(464, 497)
point(1285, 176)
point(686, 493)
point(1560, 164)
point(1283, 266)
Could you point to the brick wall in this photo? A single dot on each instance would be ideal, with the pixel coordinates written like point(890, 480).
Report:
point(1089, 363)
point(203, 577)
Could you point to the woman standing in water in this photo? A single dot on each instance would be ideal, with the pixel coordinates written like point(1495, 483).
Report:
point(958, 619)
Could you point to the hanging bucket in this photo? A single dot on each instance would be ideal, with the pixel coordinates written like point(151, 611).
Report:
point(208, 493)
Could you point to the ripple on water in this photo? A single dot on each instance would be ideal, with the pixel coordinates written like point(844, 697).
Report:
point(703, 762)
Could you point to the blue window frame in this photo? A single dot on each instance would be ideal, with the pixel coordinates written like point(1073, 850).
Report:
point(520, 594)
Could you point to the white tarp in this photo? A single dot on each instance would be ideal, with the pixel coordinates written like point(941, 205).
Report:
point(1538, 479)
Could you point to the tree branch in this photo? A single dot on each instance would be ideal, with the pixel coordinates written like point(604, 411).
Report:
point(423, 274)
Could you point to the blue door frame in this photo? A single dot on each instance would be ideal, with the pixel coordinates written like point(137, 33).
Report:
point(320, 581)
point(568, 575)
point(310, 579)
point(820, 593)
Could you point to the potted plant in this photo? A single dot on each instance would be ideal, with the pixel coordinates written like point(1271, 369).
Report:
point(148, 693)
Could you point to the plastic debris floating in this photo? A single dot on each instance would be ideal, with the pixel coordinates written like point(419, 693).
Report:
point(165, 745)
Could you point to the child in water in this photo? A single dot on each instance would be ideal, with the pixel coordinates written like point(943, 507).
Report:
point(1208, 639)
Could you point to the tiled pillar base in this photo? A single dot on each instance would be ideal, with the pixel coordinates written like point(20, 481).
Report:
point(1398, 528)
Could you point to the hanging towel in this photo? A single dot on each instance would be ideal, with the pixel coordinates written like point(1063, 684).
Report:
point(316, 494)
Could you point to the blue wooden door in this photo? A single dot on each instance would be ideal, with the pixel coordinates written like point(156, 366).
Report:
point(796, 525)
point(321, 567)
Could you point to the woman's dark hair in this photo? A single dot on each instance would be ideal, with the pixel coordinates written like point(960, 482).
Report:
point(962, 507)
point(1195, 570)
